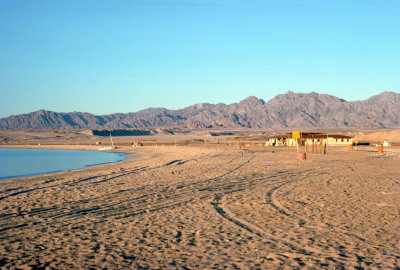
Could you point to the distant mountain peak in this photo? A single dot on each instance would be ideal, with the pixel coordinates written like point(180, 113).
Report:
point(41, 111)
point(386, 94)
point(252, 100)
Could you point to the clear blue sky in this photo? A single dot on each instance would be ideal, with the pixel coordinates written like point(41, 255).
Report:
point(123, 56)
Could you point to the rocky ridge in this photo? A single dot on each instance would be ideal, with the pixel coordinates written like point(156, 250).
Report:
point(289, 110)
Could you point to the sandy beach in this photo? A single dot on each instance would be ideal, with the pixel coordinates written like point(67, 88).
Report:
point(208, 208)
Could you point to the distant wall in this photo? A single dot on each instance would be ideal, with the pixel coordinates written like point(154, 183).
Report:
point(121, 132)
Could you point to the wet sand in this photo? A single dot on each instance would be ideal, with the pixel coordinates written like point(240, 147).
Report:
point(197, 208)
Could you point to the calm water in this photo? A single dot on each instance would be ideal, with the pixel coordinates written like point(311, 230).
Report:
point(24, 162)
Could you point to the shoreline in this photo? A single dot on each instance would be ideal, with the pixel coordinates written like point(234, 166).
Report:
point(60, 147)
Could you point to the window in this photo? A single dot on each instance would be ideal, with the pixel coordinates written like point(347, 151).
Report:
point(342, 140)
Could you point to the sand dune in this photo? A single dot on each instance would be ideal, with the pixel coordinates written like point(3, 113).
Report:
point(392, 136)
point(198, 208)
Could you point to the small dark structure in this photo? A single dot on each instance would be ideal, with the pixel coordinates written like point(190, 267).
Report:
point(121, 132)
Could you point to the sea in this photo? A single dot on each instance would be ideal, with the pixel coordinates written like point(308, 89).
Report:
point(27, 162)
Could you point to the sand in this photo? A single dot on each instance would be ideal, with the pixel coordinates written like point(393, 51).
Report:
point(202, 208)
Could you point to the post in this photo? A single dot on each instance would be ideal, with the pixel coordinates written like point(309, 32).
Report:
point(112, 143)
point(326, 147)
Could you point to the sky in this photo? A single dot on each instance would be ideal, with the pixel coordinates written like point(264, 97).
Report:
point(112, 56)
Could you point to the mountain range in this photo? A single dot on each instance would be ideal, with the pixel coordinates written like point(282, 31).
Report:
point(289, 110)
